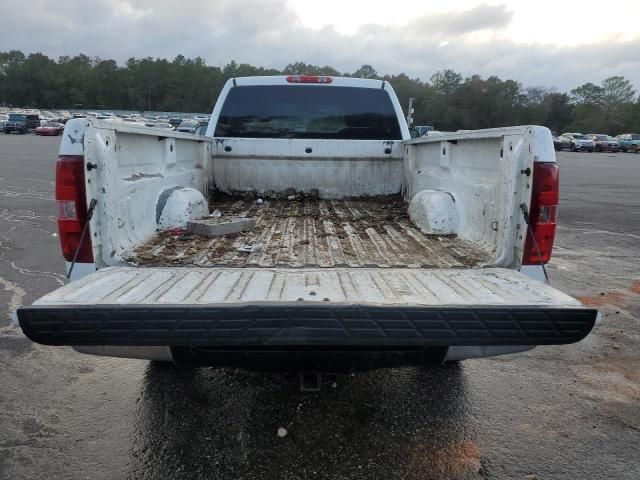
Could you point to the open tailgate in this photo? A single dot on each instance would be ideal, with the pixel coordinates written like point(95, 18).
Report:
point(249, 307)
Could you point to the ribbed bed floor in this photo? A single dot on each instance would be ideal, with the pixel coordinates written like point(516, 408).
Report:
point(363, 232)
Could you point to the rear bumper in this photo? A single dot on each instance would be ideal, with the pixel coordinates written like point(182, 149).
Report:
point(292, 359)
point(299, 325)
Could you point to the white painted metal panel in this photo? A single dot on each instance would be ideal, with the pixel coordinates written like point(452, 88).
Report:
point(485, 173)
point(401, 286)
point(134, 167)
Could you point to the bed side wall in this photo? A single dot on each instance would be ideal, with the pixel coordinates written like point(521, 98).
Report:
point(134, 170)
point(485, 172)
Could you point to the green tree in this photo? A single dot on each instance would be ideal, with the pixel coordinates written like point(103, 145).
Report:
point(616, 92)
point(365, 71)
point(446, 82)
point(559, 111)
point(448, 101)
point(405, 88)
point(301, 68)
point(587, 94)
point(589, 112)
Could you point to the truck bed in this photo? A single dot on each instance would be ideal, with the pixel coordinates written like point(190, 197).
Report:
point(310, 232)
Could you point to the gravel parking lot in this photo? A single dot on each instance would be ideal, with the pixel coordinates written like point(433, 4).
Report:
point(553, 413)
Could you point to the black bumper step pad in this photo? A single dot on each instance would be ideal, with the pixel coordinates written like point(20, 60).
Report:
point(296, 324)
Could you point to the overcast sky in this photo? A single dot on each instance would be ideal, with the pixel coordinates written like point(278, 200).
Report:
point(551, 43)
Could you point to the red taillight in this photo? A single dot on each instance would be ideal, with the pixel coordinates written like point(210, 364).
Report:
point(71, 207)
point(309, 79)
point(543, 213)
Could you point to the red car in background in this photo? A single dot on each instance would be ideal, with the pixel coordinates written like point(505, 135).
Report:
point(50, 128)
point(604, 143)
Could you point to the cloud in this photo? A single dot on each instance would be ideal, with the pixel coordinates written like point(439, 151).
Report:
point(269, 33)
point(478, 18)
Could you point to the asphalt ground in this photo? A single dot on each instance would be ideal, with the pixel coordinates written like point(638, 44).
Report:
point(570, 412)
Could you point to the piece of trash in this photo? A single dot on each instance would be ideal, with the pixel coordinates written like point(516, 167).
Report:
point(282, 432)
point(259, 201)
point(291, 197)
point(334, 385)
point(54, 234)
point(176, 231)
point(216, 214)
point(245, 247)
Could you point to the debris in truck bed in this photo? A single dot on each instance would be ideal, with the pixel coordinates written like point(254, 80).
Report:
point(250, 248)
point(311, 232)
point(212, 227)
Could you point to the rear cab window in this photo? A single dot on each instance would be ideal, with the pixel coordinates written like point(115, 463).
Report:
point(308, 112)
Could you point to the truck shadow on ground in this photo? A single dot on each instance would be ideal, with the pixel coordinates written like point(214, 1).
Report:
point(223, 423)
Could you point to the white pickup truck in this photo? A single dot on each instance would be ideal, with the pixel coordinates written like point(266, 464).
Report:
point(368, 248)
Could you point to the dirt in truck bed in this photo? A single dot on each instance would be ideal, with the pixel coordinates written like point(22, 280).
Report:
point(311, 232)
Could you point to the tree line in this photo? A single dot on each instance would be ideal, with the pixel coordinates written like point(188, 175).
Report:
point(448, 101)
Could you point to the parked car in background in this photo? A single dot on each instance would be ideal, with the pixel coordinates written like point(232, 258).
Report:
point(201, 118)
point(21, 122)
point(63, 116)
point(629, 142)
point(134, 121)
point(557, 143)
point(577, 142)
point(3, 119)
point(175, 121)
point(163, 126)
point(107, 116)
point(604, 143)
point(47, 117)
point(423, 129)
point(50, 129)
point(188, 126)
